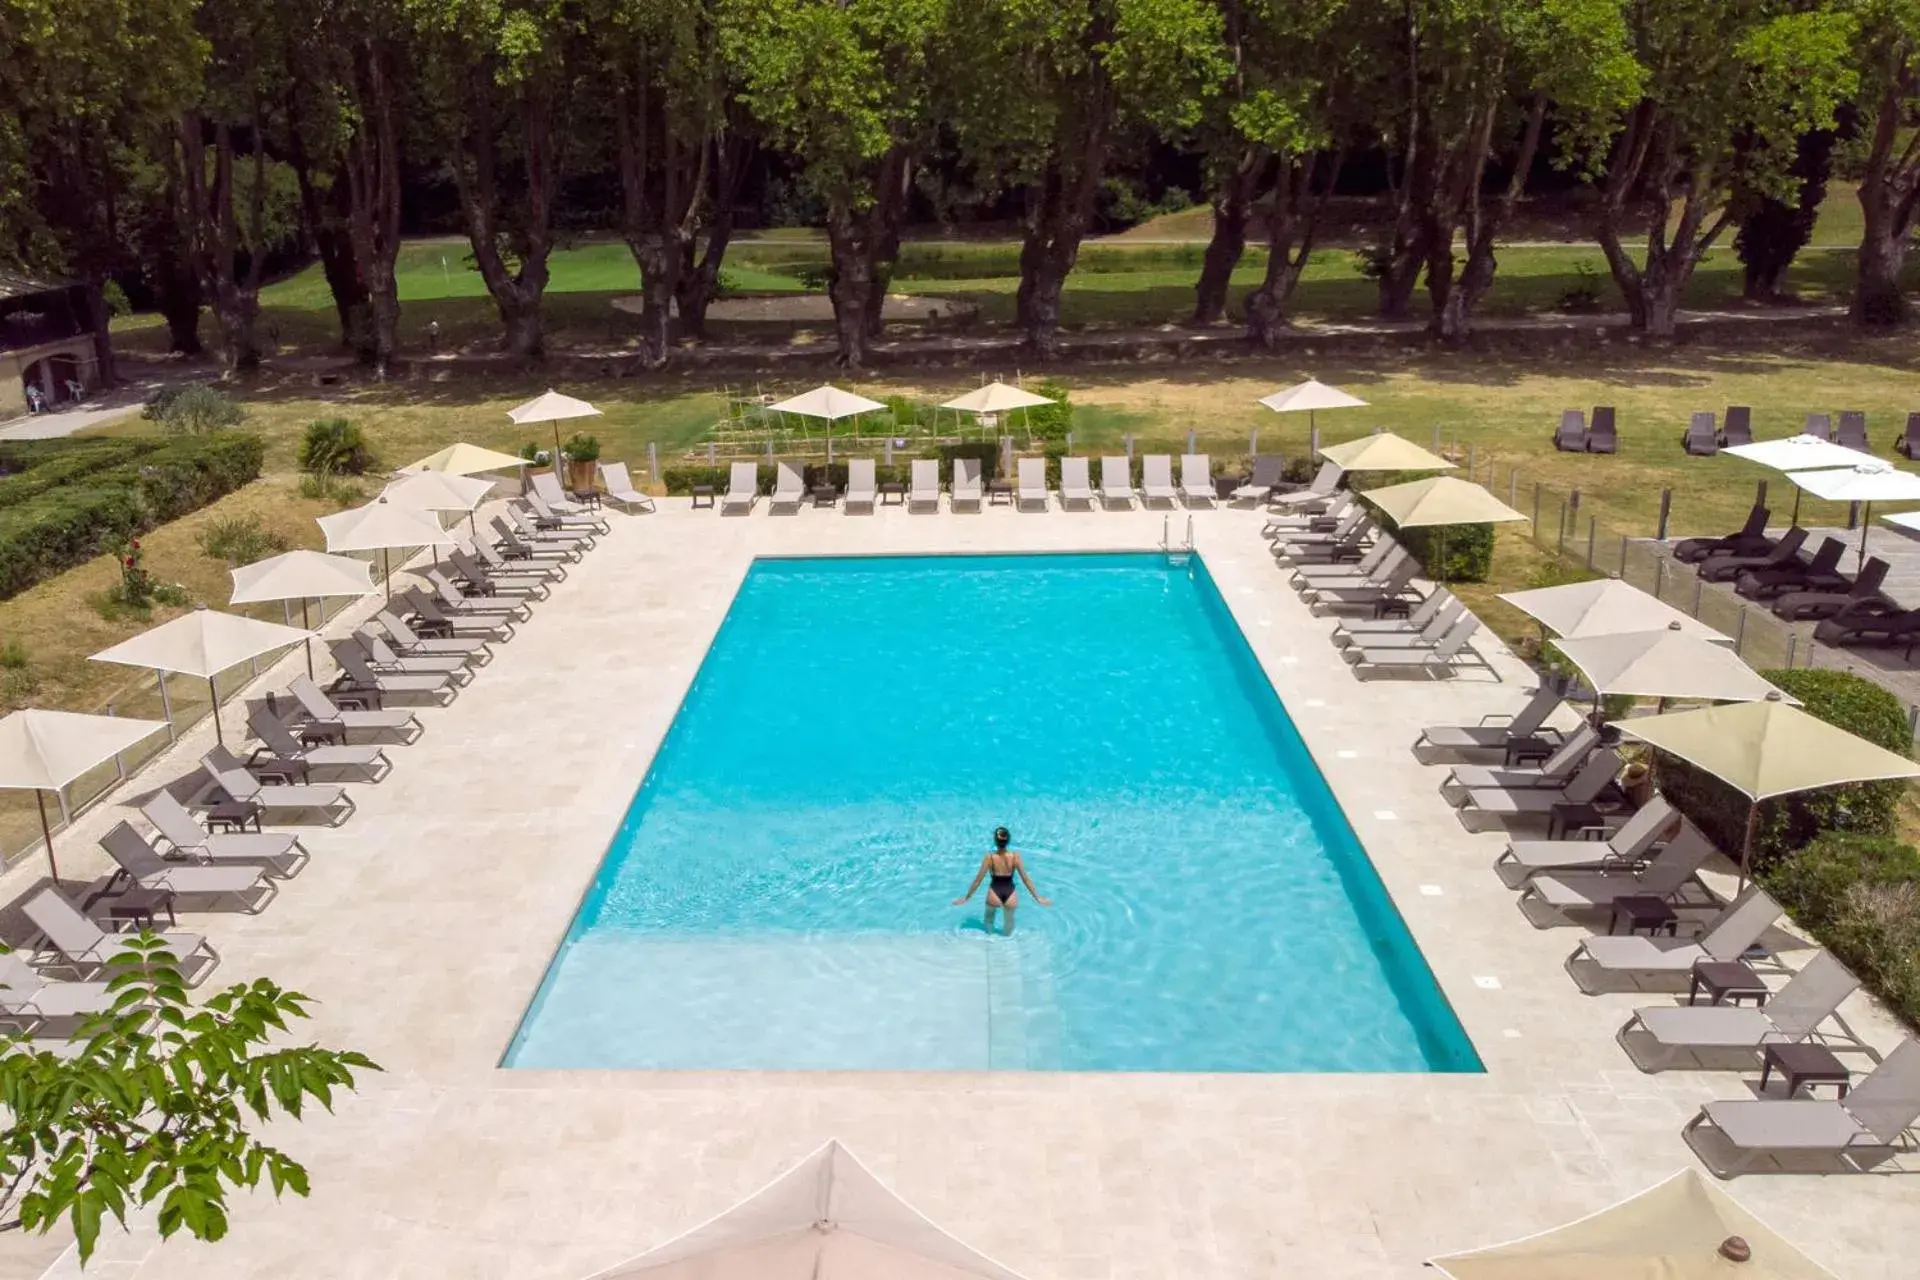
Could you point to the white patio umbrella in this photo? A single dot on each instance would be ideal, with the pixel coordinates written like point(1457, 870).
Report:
point(439, 491)
point(202, 643)
point(1667, 663)
point(1795, 453)
point(42, 751)
point(1440, 501)
point(382, 526)
point(827, 1218)
point(1909, 520)
point(1864, 482)
point(1384, 451)
point(464, 460)
point(994, 398)
point(828, 403)
point(303, 576)
point(551, 406)
point(1604, 607)
point(1309, 397)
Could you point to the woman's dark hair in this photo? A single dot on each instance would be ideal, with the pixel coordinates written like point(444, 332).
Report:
point(1000, 837)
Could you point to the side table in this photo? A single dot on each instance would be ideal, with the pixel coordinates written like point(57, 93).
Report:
point(139, 906)
point(233, 815)
point(1643, 912)
point(1804, 1065)
point(999, 493)
point(825, 495)
point(1725, 982)
point(893, 494)
point(702, 491)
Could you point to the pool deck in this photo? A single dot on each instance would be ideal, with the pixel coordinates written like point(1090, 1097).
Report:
point(424, 924)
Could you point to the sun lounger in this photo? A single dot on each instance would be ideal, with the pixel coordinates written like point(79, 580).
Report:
point(1352, 524)
point(1076, 484)
point(405, 641)
point(279, 743)
point(1595, 774)
point(1820, 573)
point(1555, 771)
point(966, 484)
point(480, 579)
point(620, 490)
point(1625, 850)
point(1196, 479)
point(1794, 1012)
point(547, 486)
point(1439, 660)
point(357, 676)
point(1571, 435)
point(1872, 1117)
point(1700, 439)
point(547, 501)
point(236, 784)
point(1875, 628)
point(1819, 426)
point(1737, 927)
point(29, 998)
point(1495, 732)
point(451, 599)
point(1374, 594)
point(498, 565)
point(1368, 567)
point(789, 488)
point(1852, 431)
point(382, 658)
point(1156, 480)
point(319, 717)
point(1737, 427)
point(1362, 630)
point(1725, 568)
point(1425, 638)
point(1032, 486)
point(1317, 494)
point(515, 548)
point(743, 489)
point(1863, 591)
point(862, 490)
point(1668, 874)
point(924, 493)
point(1319, 520)
point(1116, 481)
point(431, 617)
point(279, 851)
point(1910, 438)
point(1600, 433)
point(1269, 469)
point(86, 947)
point(1750, 539)
point(142, 866)
point(547, 529)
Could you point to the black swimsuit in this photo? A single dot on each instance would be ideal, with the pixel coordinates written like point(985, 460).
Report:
point(1001, 887)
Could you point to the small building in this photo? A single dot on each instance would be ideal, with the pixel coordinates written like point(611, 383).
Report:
point(49, 340)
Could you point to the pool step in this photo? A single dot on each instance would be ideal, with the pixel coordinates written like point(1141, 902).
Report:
point(1023, 1015)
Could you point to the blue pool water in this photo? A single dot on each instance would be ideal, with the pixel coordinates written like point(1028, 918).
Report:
point(778, 895)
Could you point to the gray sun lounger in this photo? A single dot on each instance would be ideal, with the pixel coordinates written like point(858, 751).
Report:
point(488, 581)
point(743, 488)
point(87, 948)
point(1318, 493)
point(620, 488)
point(966, 484)
point(1491, 734)
point(1737, 427)
point(1872, 1117)
point(1727, 936)
point(497, 565)
point(452, 600)
point(1372, 593)
point(1076, 483)
point(359, 678)
point(1668, 874)
point(521, 550)
point(923, 488)
point(1700, 439)
point(1571, 435)
point(1349, 531)
point(1583, 788)
point(789, 488)
point(29, 998)
point(277, 741)
point(1156, 480)
point(231, 780)
point(1425, 638)
point(1555, 771)
point(319, 716)
point(1852, 431)
point(1269, 470)
point(1439, 660)
point(407, 642)
point(1318, 520)
point(279, 851)
point(1196, 479)
point(1796, 1011)
point(430, 615)
point(547, 486)
point(141, 865)
point(1624, 850)
point(547, 499)
point(382, 658)
point(1116, 481)
point(1368, 566)
point(862, 490)
point(536, 526)
point(1362, 630)
point(1032, 485)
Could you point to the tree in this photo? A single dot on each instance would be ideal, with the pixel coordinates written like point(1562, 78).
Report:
point(1772, 232)
point(1728, 86)
point(1889, 60)
point(152, 1102)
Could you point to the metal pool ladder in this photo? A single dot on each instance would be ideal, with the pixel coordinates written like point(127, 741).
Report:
point(1184, 549)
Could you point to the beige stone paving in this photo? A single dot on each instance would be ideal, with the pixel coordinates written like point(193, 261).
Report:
point(425, 923)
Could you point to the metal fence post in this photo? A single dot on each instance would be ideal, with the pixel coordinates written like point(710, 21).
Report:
point(1593, 533)
point(1623, 557)
point(1129, 446)
point(1666, 513)
point(653, 461)
point(1536, 511)
point(1513, 485)
point(1699, 590)
point(1740, 630)
point(1313, 440)
point(1913, 720)
point(1469, 459)
point(1793, 643)
point(1436, 437)
point(1560, 537)
point(1190, 442)
point(713, 453)
point(1659, 577)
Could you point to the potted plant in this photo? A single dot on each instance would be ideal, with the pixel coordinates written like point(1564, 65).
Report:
point(582, 453)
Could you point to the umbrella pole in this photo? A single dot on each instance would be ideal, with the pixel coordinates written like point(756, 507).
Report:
point(386, 572)
point(166, 704)
point(556, 455)
point(308, 642)
point(1796, 507)
point(219, 734)
point(1866, 522)
point(46, 831)
point(1746, 844)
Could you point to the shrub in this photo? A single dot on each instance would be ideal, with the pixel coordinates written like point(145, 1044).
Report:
point(1468, 548)
point(1787, 823)
point(1860, 895)
point(138, 592)
point(193, 410)
point(1046, 421)
point(335, 446)
point(985, 451)
point(581, 447)
point(319, 486)
point(60, 462)
point(240, 540)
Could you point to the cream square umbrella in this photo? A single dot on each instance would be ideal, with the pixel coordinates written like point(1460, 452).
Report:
point(1682, 1229)
point(1864, 482)
point(993, 399)
point(1765, 749)
point(42, 751)
point(202, 643)
point(1664, 664)
point(464, 460)
point(301, 575)
point(1795, 453)
point(1309, 397)
point(829, 403)
point(381, 526)
point(551, 406)
point(1384, 451)
point(1440, 501)
point(1604, 607)
point(439, 491)
point(827, 1218)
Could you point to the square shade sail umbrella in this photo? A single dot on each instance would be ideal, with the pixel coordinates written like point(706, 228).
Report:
point(551, 406)
point(1795, 453)
point(42, 751)
point(1765, 749)
point(827, 1218)
point(1682, 1229)
point(1384, 452)
point(381, 526)
point(1309, 397)
point(994, 398)
point(439, 491)
point(464, 460)
point(827, 402)
point(303, 576)
point(1441, 501)
point(202, 643)
point(1603, 607)
point(1866, 482)
point(1664, 664)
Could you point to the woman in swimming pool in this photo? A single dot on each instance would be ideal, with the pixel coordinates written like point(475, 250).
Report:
point(1001, 865)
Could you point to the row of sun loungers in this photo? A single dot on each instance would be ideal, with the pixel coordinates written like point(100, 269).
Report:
point(1654, 852)
point(966, 491)
point(1576, 435)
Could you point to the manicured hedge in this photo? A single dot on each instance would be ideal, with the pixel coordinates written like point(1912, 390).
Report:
point(1860, 896)
point(55, 530)
point(1789, 822)
point(25, 472)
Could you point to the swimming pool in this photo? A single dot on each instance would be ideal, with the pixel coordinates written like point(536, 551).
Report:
point(778, 894)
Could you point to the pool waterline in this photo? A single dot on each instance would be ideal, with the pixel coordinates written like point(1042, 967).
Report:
point(770, 900)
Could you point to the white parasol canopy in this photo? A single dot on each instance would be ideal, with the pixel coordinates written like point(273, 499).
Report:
point(827, 401)
point(1384, 451)
point(827, 1218)
point(551, 406)
point(437, 491)
point(1604, 607)
point(303, 576)
point(43, 751)
point(1306, 397)
point(1865, 482)
point(382, 526)
point(1795, 453)
point(1667, 663)
point(995, 397)
point(464, 460)
point(202, 643)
